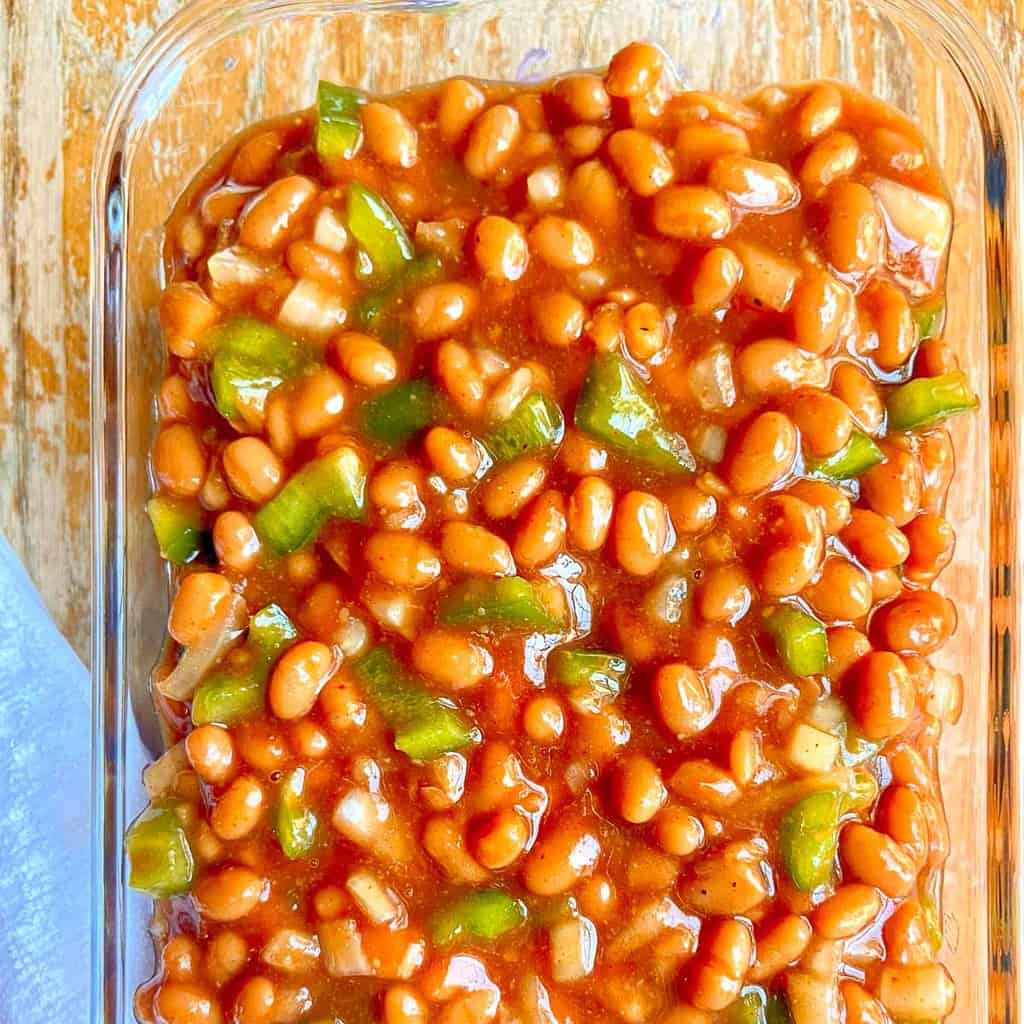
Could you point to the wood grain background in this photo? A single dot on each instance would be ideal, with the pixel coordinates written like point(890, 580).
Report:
point(59, 63)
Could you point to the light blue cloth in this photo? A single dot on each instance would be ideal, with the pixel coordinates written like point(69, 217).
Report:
point(44, 812)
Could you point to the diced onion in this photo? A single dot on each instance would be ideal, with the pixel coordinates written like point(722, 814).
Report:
point(309, 308)
point(666, 600)
point(374, 898)
point(573, 947)
point(237, 266)
point(396, 610)
point(341, 949)
point(161, 777)
point(291, 950)
point(945, 696)
point(710, 441)
point(649, 921)
point(711, 379)
point(444, 238)
point(329, 232)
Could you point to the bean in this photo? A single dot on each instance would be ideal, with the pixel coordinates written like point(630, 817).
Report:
point(460, 102)
point(853, 387)
point(831, 500)
point(473, 549)
point(639, 790)
point(634, 70)
point(831, 159)
point(460, 376)
point(595, 194)
point(922, 993)
point(848, 911)
point(756, 185)
point(582, 455)
point(558, 317)
point(931, 539)
point(512, 487)
point(795, 543)
point(404, 1005)
point(893, 323)
point(229, 894)
point(236, 542)
point(716, 979)
point(492, 138)
point(893, 488)
point(186, 314)
point(308, 740)
point(906, 936)
point(846, 646)
point(253, 470)
point(500, 248)
point(254, 162)
point(181, 958)
point(542, 531)
point(678, 832)
point(780, 944)
point(452, 454)
point(774, 367)
point(197, 604)
point(646, 332)
point(260, 745)
point(725, 595)
point(874, 541)
point(876, 860)
point(364, 359)
point(762, 453)
point(254, 1003)
point(440, 309)
point(842, 592)
point(819, 111)
point(452, 657)
point(186, 1003)
point(500, 839)
point(682, 700)
point(589, 515)
point(318, 403)
point(598, 898)
point(854, 231)
point(226, 955)
point(641, 160)
point(822, 311)
point(583, 140)
point(268, 219)
point(584, 97)
point(298, 678)
point(389, 135)
point(715, 279)
point(179, 460)
point(692, 212)
point(562, 243)
point(544, 720)
point(403, 560)
point(239, 809)
point(885, 584)
point(605, 328)
point(861, 1006)
point(565, 853)
point(395, 491)
point(900, 814)
point(919, 622)
point(641, 533)
point(882, 695)
point(824, 421)
point(175, 402)
point(211, 752)
point(307, 260)
point(699, 143)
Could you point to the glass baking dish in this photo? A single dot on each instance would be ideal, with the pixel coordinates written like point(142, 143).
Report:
point(215, 68)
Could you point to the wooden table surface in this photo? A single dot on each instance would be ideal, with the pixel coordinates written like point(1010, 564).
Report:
point(60, 61)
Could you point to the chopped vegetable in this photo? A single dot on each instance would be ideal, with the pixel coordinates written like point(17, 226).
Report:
point(376, 227)
point(776, 1010)
point(425, 726)
point(396, 415)
point(232, 695)
point(484, 914)
point(800, 639)
point(615, 407)
point(250, 359)
point(178, 525)
point(808, 837)
point(339, 123)
point(598, 671)
point(930, 318)
point(159, 856)
point(857, 456)
point(379, 306)
point(750, 1007)
point(332, 486)
point(535, 424)
point(511, 602)
point(295, 821)
point(928, 400)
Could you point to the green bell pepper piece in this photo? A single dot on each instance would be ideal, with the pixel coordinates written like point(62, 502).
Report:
point(510, 602)
point(332, 486)
point(483, 914)
point(396, 415)
point(857, 456)
point(339, 123)
point(295, 821)
point(800, 639)
point(750, 1007)
point(250, 359)
point(925, 401)
point(615, 407)
point(227, 697)
point(776, 1010)
point(425, 726)
point(535, 424)
point(178, 525)
point(930, 318)
point(598, 671)
point(377, 309)
point(159, 855)
point(376, 227)
point(808, 838)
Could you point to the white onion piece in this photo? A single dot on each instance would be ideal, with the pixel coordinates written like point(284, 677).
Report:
point(341, 949)
point(311, 309)
point(666, 600)
point(198, 659)
point(710, 442)
point(536, 1003)
point(573, 948)
point(649, 921)
point(290, 950)
point(374, 898)
point(366, 819)
point(161, 776)
point(238, 266)
point(711, 379)
point(444, 238)
point(329, 232)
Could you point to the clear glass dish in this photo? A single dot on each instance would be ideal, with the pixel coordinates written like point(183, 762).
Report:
point(218, 67)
